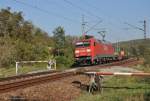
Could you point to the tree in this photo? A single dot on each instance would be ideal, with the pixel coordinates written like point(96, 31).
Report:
point(134, 51)
point(10, 22)
point(63, 49)
point(7, 52)
point(59, 41)
point(20, 39)
point(144, 52)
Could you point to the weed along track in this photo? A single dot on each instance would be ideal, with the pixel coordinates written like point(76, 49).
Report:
point(50, 85)
point(24, 76)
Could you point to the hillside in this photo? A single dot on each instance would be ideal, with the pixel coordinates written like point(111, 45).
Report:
point(137, 48)
point(135, 43)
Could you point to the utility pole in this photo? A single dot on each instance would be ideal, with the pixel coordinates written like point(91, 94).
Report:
point(83, 25)
point(145, 29)
point(142, 29)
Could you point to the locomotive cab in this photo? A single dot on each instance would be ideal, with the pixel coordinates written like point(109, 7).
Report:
point(83, 52)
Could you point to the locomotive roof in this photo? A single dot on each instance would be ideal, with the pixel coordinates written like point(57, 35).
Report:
point(99, 41)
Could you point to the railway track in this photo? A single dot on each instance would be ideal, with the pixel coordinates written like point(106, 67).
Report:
point(22, 81)
point(9, 86)
point(125, 63)
point(24, 76)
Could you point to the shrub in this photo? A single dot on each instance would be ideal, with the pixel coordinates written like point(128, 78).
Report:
point(63, 62)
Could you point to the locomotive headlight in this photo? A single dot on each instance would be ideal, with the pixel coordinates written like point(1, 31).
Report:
point(76, 51)
point(88, 50)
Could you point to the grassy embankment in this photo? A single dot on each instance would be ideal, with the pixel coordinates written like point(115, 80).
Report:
point(10, 71)
point(123, 88)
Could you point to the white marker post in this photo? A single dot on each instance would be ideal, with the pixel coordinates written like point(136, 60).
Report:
point(16, 68)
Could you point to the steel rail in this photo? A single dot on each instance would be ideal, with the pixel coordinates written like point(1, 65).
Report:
point(23, 76)
point(27, 75)
point(33, 81)
point(40, 78)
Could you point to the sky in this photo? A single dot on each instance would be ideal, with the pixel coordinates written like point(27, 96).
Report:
point(108, 15)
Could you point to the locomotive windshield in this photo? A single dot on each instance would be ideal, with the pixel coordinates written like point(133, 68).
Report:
point(83, 44)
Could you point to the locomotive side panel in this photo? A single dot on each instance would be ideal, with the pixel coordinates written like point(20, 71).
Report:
point(102, 51)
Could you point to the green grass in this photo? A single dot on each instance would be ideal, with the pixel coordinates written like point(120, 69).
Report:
point(4, 72)
point(120, 89)
point(143, 68)
point(10, 71)
point(125, 88)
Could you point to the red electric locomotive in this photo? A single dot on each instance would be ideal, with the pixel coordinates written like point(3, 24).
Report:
point(93, 51)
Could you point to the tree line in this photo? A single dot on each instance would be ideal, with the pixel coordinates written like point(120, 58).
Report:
point(20, 40)
point(138, 48)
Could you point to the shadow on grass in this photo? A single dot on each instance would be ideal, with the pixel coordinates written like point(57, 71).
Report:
point(125, 87)
point(147, 96)
point(81, 86)
point(19, 98)
point(85, 87)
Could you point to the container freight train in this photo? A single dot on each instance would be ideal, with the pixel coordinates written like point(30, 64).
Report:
point(93, 51)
